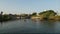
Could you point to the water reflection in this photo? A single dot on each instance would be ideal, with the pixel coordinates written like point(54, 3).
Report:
point(45, 26)
point(1, 22)
point(30, 26)
point(48, 27)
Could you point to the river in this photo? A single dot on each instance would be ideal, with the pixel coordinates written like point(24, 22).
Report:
point(30, 26)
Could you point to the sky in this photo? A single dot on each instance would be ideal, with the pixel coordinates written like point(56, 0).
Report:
point(28, 6)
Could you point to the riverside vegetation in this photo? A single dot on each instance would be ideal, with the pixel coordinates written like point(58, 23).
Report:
point(45, 15)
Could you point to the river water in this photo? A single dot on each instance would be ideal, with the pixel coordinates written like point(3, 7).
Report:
point(30, 26)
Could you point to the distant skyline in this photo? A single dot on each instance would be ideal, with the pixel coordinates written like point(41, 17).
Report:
point(28, 6)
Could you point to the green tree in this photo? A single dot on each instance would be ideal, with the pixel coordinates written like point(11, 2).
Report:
point(48, 13)
point(34, 14)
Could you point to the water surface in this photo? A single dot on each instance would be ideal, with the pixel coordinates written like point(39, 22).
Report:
point(30, 26)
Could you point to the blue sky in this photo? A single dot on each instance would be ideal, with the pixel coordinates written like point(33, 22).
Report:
point(28, 6)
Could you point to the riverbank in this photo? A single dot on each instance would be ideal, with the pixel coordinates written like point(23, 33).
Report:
point(45, 15)
point(56, 18)
point(41, 18)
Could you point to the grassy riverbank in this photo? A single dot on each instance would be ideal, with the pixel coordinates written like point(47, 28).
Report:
point(47, 15)
point(57, 18)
